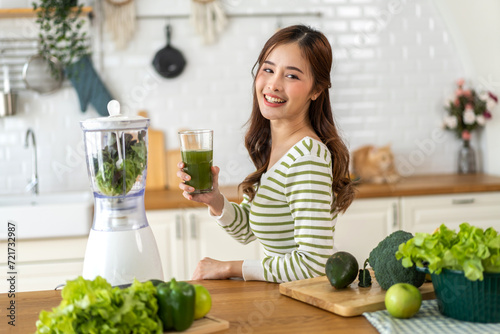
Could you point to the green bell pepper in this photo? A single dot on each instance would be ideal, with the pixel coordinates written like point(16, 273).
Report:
point(176, 305)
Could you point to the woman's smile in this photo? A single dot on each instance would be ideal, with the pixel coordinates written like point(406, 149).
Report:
point(273, 100)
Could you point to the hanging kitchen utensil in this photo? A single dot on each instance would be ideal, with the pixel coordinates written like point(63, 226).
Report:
point(169, 62)
point(43, 75)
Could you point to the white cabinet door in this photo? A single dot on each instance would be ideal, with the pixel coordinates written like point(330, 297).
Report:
point(47, 276)
point(364, 225)
point(426, 213)
point(168, 229)
point(43, 264)
point(207, 239)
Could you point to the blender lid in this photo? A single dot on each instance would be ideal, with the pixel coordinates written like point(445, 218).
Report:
point(116, 121)
point(120, 122)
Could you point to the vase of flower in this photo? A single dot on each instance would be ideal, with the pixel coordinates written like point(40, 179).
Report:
point(468, 111)
point(466, 159)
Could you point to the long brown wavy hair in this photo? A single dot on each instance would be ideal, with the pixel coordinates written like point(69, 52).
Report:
point(317, 50)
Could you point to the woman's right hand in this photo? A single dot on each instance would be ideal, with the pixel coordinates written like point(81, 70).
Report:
point(214, 199)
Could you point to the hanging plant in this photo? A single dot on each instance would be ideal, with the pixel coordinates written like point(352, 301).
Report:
point(61, 31)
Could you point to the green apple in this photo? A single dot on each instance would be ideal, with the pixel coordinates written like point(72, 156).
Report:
point(403, 300)
point(203, 301)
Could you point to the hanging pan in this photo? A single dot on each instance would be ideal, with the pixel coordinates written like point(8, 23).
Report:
point(169, 62)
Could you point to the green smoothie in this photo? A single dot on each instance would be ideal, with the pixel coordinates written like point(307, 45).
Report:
point(197, 164)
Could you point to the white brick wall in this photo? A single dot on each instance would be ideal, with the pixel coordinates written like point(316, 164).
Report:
point(394, 65)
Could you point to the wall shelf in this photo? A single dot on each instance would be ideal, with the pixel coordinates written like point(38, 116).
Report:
point(11, 13)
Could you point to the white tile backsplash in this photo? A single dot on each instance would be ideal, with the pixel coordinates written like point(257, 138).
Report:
point(394, 64)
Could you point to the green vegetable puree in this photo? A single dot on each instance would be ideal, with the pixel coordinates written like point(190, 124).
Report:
point(198, 165)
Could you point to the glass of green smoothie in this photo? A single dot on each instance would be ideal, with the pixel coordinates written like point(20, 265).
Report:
point(197, 155)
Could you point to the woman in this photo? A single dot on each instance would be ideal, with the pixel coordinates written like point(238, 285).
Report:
point(301, 180)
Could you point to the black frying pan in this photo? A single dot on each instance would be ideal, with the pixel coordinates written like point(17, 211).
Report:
point(169, 62)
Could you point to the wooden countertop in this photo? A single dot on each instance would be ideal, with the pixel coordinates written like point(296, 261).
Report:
point(173, 199)
point(250, 307)
point(435, 184)
point(416, 185)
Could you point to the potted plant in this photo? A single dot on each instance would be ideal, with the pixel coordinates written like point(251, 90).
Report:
point(464, 267)
point(61, 31)
point(62, 36)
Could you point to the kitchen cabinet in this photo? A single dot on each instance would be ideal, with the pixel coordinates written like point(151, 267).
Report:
point(169, 228)
point(209, 239)
point(365, 223)
point(43, 264)
point(369, 221)
point(426, 213)
point(185, 236)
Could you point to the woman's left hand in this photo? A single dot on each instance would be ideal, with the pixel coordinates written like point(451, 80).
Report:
point(209, 268)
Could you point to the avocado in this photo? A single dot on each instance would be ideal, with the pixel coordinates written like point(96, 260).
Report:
point(341, 269)
point(156, 282)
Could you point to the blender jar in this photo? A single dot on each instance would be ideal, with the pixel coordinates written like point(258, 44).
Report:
point(116, 149)
point(121, 245)
point(116, 154)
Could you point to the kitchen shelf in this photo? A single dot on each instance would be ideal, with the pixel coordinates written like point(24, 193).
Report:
point(11, 13)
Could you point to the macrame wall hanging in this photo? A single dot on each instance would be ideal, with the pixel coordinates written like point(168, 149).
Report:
point(208, 18)
point(120, 21)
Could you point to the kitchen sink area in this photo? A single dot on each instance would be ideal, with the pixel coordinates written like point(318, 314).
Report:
point(47, 215)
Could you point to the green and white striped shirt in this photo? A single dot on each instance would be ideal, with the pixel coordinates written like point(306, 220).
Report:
point(291, 215)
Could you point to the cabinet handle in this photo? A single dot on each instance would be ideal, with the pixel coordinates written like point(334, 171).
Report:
point(463, 201)
point(192, 223)
point(394, 216)
point(178, 227)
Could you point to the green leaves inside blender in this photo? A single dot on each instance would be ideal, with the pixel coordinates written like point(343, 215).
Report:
point(113, 180)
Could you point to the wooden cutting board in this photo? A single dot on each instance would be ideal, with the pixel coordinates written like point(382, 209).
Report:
point(348, 302)
point(173, 158)
point(207, 324)
point(157, 158)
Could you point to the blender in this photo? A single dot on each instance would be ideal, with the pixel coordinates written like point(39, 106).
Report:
point(121, 245)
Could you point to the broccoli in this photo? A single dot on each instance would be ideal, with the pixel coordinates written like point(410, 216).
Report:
point(388, 270)
point(364, 277)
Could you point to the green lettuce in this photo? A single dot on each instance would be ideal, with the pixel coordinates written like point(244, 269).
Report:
point(471, 250)
point(95, 307)
point(110, 178)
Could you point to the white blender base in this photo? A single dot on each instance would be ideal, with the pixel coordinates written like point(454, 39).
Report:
point(121, 256)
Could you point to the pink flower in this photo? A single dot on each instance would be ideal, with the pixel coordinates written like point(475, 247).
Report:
point(493, 97)
point(487, 114)
point(469, 106)
point(466, 135)
point(467, 93)
point(490, 105)
point(459, 92)
point(460, 82)
point(457, 102)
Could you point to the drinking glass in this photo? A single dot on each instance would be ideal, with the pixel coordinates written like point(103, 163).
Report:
point(197, 155)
